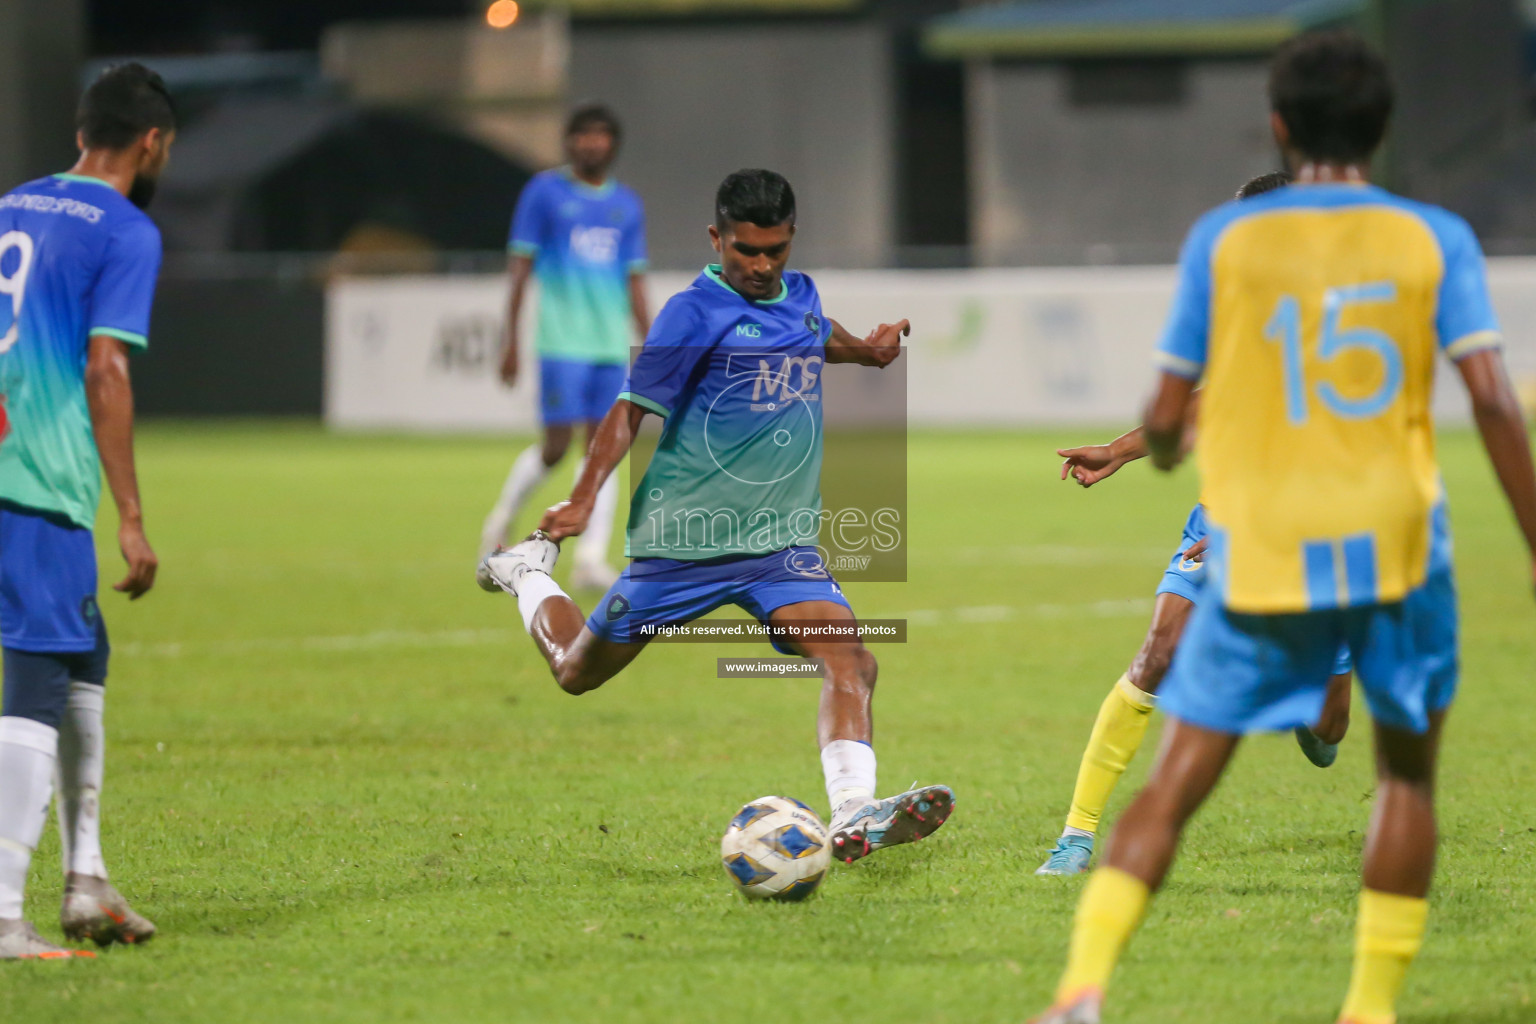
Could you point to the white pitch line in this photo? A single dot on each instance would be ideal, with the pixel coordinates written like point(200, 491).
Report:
point(409, 639)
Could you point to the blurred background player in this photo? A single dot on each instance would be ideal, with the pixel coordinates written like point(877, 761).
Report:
point(1123, 717)
point(78, 262)
point(1315, 315)
point(740, 349)
point(582, 234)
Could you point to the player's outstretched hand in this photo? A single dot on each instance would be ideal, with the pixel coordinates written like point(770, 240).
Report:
point(142, 563)
point(1196, 551)
point(884, 342)
point(1088, 464)
point(566, 519)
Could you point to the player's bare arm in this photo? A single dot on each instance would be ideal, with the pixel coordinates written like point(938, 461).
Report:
point(1094, 462)
point(880, 348)
point(110, 396)
point(615, 435)
point(637, 304)
point(1502, 426)
point(1166, 423)
point(519, 268)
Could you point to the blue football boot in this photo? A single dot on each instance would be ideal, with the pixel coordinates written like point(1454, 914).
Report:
point(1069, 856)
point(1319, 753)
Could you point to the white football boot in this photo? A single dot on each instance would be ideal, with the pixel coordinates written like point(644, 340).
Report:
point(94, 910)
point(20, 941)
point(504, 567)
point(859, 829)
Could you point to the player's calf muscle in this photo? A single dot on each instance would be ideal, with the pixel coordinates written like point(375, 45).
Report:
point(847, 689)
point(1156, 655)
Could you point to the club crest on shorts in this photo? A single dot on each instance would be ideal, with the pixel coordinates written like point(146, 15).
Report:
point(617, 608)
point(806, 562)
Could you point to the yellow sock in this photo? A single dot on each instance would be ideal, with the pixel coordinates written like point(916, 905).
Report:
point(1117, 735)
point(1108, 913)
point(1388, 934)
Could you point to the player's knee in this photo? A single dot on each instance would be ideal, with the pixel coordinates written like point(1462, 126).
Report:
point(554, 449)
point(577, 675)
point(574, 680)
point(36, 686)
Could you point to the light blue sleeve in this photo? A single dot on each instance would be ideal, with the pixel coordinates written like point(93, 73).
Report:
point(1186, 336)
point(1464, 318)
point(530, 220)
point(125, 285)
point(632, 251)
point(673, 349)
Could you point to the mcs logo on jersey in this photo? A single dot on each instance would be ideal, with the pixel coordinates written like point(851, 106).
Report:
point(595, 245)
point(779, 383)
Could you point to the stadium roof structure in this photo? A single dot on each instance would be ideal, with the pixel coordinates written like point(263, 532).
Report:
point(1118, 28)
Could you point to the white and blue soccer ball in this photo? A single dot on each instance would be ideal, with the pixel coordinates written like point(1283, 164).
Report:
point(776, 849)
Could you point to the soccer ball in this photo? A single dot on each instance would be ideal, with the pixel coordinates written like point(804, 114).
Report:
point(776, 849)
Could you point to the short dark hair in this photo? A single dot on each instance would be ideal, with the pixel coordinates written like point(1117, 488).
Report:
point(754, 196)
point(124, 102)
point(593, 115)
point(1334, 95)
point(1264, 183)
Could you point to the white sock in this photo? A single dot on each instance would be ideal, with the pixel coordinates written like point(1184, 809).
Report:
point(849, 767)
point(81, 766)
point(592, 545)
point(27, 751)
point(528, 471)
point(532, 589)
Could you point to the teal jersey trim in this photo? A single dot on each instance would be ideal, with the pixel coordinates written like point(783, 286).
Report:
point(84, 179)
point(645, 403)
point(595, 191)
point(112, 332)
point(713, 270)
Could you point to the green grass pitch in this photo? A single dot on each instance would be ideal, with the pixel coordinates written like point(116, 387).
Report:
point(342, 782)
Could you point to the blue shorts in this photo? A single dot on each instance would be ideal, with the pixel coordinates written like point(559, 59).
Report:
point(1187, 579)
point(47, 583)
point(1241, 673)
point(572, 391)
point(665, 591)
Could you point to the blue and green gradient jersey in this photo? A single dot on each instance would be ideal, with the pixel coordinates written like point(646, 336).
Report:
point(585, 242)
point(737, 470)
point(76, 259)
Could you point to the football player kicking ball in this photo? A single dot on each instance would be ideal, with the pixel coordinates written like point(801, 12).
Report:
point(79, 261)
point(729, 508)
point(1314, 315)
point(1123, 717)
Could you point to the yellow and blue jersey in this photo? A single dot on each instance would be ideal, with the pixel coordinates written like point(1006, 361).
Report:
point(1314, 314)
point(585, 241)
point(77, 259)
